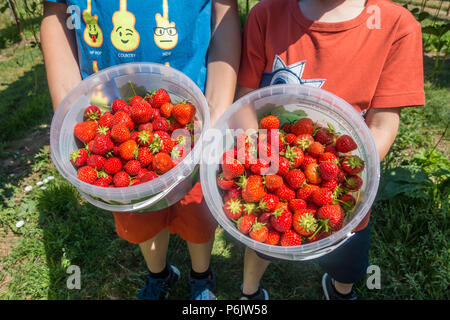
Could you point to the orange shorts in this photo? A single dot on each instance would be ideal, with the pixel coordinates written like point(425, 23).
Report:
point(189, 218)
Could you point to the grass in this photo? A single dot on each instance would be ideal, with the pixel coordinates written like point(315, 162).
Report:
point(410, 230)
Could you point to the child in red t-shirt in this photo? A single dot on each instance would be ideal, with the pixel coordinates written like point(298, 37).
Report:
point(368, 52)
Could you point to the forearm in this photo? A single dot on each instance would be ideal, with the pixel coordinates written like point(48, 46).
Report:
point(59, 49)
point(223, 57)
point(383, 124)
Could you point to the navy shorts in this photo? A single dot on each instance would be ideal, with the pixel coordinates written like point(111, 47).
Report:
point(348, 263)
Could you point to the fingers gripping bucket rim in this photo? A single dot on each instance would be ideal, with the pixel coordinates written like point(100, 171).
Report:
point(110, 83)
point(322, 104)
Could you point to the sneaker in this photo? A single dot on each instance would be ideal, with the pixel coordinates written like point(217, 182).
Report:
point(331, 293)
point(203, 289)
point(262, 295)
point(158, 289)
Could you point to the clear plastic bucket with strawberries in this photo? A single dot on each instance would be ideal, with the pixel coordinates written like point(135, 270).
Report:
point(101, 89)
point(288, 103)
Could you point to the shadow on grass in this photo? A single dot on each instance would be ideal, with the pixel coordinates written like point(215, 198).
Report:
point(10, 35)
point(440, 79)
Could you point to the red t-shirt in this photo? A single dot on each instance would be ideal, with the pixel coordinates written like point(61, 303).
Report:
point(372, 61)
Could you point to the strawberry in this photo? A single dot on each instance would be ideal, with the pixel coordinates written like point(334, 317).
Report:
point(141, 112)
point(145, 156)
point(261, 167)
point(183, 113)
point(132, 167)
point(79, 157)
point(245, 223)
point(160, 124)
point(285, 193)
point(328, 157)
point(286, 127)
point(162, 162)
point(283, 166)
point(96, 161)
point(273, 237)
point(347, 201)
point(331, 149)
point(106, 120)
point(166, 110)
point(307, 159)
point(290, 139)
point(295, 156)
point(146, 127)
point(178, 153)
point(159, 98)
point(231, 167)
point(224, 184)
point(89, 146)
point(103, 131)
point(259, 232)
point(141, 173)
point(331, 184)
point(325, 135)
point(322, 196)
point(272, 182)
point(120, 133)
point(268, 203)
point(161, 142)
point(281, 220)
point(144, 138)
point(333, 215)
point(136, 99)
point(128, 149)
point(112, 165)
point(253, 189)
point(296, 204)
point(101, 182)
point(352, 164)
point(87, 174)
point(121, 179)
point(149, 176)
point(233, 209)
point(265, 151)
point(353, 183)
point(249, 208)
point(290, 238)
point(92, 113)
point(304, 222)
point(328, 170)
point(264, 217)
point(270, 122)
point(233, 193)
point(316, 149)
point(304, 125)
point(102, 144)
point(134, 182)
point(345, 144)
point(121, 117)
point(306, 191)
point(312, 173)
point(247, 158)
point(117, 105)
point(295, 178)
point(85, 131)
point(303, 141)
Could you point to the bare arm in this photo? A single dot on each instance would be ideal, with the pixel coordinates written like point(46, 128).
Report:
point(383, 123)
point(223, 57)
point(60, 52)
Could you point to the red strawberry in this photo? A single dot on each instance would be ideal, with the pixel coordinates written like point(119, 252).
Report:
point(121, 179)
point(307, 159)
point(273, 237)
point(144, 138)
point(285, 193)
point(352, 164)
point(159, 98)
point(132, 167)
point(303, 141)
point(79, 157)
point(283, 166)
point(121, 117)
point(178, 153)
point(332, 184)
point(112, 165)
point(249, 208)
point(295, 178)
point(322, 197)
point(233, 193)
point(347, 201)
point(333, 214)
point(325, 135)
point(270, 122)
point(145, 156)
point(149, 176)
point(224, 184)
point(345, 144)
point(141, 112)
point(89, 146)
point(259, 232)
point(328, 157)
point(92, 113)
point(290, 238)
point(233, 209)
point(261, 167)
point(106, 120)
point(166, 110)
point(96, 161)
point(296, 204)
point(102, 144)
point(231, 167)
point(328, 170)
point(120, 133)
point(101, 182)
point(265, 151)
point(146, 127)
point(353, 183)
point(183, 113)
point(245, 223)
point(306, 191)
point(162, 162)
point(85, 131)
point(273, 182)
point(253, 189)
point(268, 203)
point(286, 127)
point(295, 156)
point(312, 173)
point(304, 125)
point(136, 99)
point(281, 220)
point(290, 139)
point(316, 149)
point(128, 149)
point(161, 142)
point(117, 105)
point(304, 222)
point(331, 149)
point(141, 173)
point(160, 124)
point(87, 174)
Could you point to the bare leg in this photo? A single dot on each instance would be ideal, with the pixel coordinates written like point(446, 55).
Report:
point(343, 288)
point(200, 255)
point(254, 268)
point(155, 251)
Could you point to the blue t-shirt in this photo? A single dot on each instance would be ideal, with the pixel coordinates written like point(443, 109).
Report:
point(171, 32)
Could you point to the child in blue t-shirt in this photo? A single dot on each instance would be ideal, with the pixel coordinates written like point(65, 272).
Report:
point(201, 38)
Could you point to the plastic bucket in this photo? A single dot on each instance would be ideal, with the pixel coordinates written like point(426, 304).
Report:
point(320, 106)
point(101, 89)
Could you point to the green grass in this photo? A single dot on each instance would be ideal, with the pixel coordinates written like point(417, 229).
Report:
point(410, 230)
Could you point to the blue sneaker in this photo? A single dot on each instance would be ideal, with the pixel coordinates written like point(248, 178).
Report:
point(158, 289)
point(203, 289)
